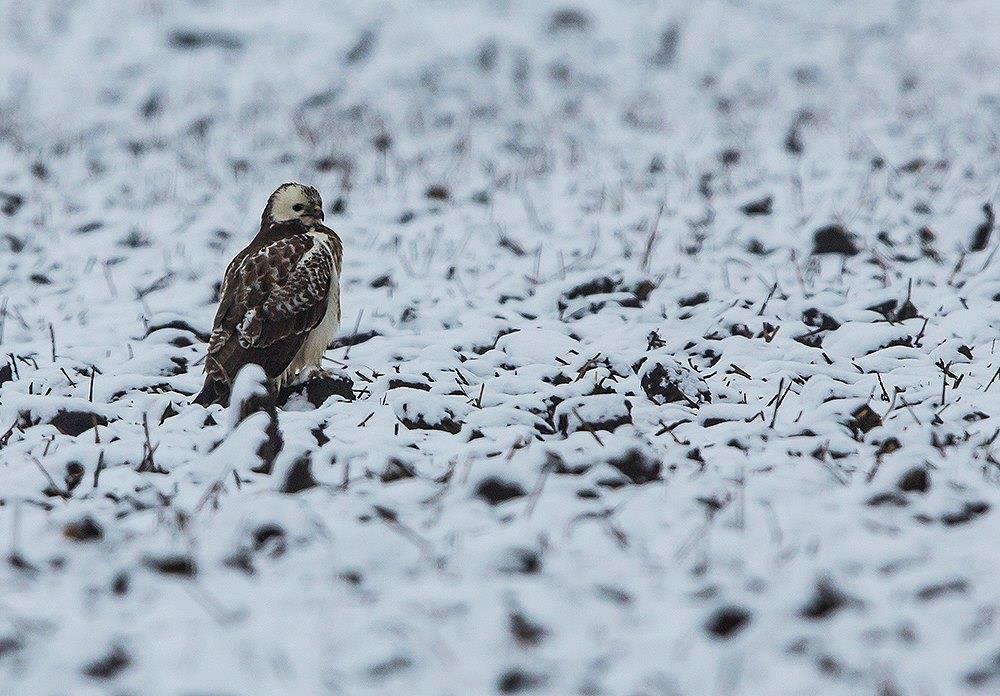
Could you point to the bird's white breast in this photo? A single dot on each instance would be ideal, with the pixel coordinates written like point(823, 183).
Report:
point(311, 353)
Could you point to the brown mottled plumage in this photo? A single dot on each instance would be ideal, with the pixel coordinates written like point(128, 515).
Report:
point(280, 300)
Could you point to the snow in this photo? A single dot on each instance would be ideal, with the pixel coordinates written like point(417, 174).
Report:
point(552, 213)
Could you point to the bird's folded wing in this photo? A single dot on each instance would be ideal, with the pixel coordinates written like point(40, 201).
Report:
point(297, 305)
point(272, 297)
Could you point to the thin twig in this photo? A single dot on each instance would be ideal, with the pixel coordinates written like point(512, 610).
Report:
point(651, 240)
point(587, 427)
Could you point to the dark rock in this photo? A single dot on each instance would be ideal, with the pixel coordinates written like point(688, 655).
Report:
point(396, 383)
point(10, 203)
point(813, 339)
point(19, 562)
point(495, 490)
point(241, 560)
point(705, 185)
point(826, 600)
point(514, 681)
point(522, 561)
point(299, 476)
point(270, 537)
point(526, 632)
point(834, 239)
point(989, 672)
point(153, 106)
point(172, 564)
point(84, 529)
point(109, 666)
point(193, 39)
point(793, 138)
point(168, 413)
point(328, 164)
point(6, 374)
point(693, 300)
point(617, 415)
point(135, 239)
point(16, 244)
point(727, 621)
point(915, 480)
point(396, 470)
point(761, 206)
point(666, 51)
point(568, 19)
point(638, 466)
point(907, 310)
point(74, 423)
point(888, 446)
point(729, 157)
point(603, 285)
point(829, 665)
point(664, 380)
point(319, 389)
point(486, 55)
point(597, 286)
point(969, 512)
point(352, 577)
point(981, 237)
point(9, 645)
point(437, 192)
point(819, 320)
point(120, 583)
point(362, 48)
point(448, 423)
point(863, 419)
point(320, 435)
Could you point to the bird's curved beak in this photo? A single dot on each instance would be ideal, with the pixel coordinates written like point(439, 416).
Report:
point(316, 212)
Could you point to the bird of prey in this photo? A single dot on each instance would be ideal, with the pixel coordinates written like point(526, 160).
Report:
point(280, 298)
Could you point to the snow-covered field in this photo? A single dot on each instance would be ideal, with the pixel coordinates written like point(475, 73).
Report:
point(671, 328)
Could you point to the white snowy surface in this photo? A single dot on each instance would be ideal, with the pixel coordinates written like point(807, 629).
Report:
point(543, 212)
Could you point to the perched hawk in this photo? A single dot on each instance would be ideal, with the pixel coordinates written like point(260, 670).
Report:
point(280, 300)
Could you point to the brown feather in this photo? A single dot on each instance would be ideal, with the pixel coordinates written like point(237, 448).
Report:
point(271, 300)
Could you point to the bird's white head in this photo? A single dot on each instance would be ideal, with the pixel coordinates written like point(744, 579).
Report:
point(293, 202)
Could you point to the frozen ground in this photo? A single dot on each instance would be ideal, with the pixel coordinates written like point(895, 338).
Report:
point(617, 427)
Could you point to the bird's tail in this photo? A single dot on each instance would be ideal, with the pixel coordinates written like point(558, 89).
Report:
point(214, 392)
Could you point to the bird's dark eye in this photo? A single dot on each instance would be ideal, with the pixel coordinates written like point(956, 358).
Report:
point(298, 207)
